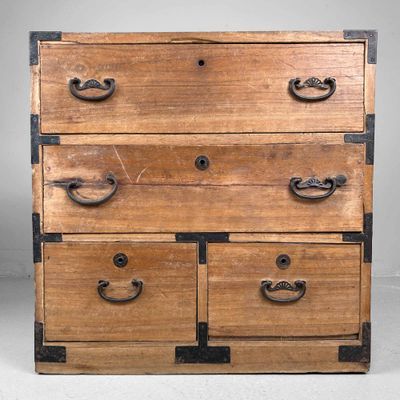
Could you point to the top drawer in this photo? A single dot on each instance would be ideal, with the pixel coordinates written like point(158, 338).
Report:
point(201, 88)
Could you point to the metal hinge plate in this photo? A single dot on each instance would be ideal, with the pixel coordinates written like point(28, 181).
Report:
point(38, 238)
point(364, 237)
point(55, 354)
point(202, 238)
point(37, 139)
point(372, 38)
point(202, 354)
point(34, 38)
point(360, 353)
point(368, 138)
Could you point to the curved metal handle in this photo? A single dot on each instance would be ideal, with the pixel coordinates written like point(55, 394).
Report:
point(328, 84)
point(299, 287)
point(75, 87)
point(75, 184)
point(135, 283)
point(296, 184)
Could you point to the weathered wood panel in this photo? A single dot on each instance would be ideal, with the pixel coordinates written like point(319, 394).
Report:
point(164, 311)
point(330, 306)
point(240, 88)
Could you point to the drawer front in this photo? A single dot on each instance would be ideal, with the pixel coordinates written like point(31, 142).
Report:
point(327, 299)
point(188, 88)
point(158, 278)
point(161, 189)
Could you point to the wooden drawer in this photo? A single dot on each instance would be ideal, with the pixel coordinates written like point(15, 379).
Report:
point(186, 88)
point(238, 307)
point(245, 188)
point(165, 309)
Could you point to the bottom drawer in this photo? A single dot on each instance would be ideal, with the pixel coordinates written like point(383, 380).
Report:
point(285, 290)
point(150, 294)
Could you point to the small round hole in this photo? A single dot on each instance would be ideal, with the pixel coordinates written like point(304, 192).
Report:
point(202, 163)
point(120, 260)
point(283, 261)
point(201, 63)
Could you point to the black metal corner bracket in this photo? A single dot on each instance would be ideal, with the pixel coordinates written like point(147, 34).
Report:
point(202, 238)
point(368, 138)
point(358, 353)
point(34, 38)
point(372, 38)
point(39, 238)
point(37, 139)
point(364, 237)
point(202, 354)
point(57, 354)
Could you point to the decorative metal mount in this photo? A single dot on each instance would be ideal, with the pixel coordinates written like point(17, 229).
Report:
point(368, 138)
point(297, 184)
point(76, 86)
point(34, 38)
point(358, 353)
point(202, 354)
point(299, 287)
point(55, 354)
point(372, 38)
point(328, 84)
point(202, 238)
point(37, 139)
point(364, 237)
point(39, 238)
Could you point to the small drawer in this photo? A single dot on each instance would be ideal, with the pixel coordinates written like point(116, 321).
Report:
point(259, 188)
point(202, 88)
point(283, 290)
point(120, 291)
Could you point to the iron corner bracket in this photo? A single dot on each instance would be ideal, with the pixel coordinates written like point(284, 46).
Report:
point(39, 238)
point(37, 139)
point(55, 354)
point(372, 39)
point(368, 138)
point(360, 353)
point(202, 354)
point(34, 38)
point(364, 237)
point(202, 238)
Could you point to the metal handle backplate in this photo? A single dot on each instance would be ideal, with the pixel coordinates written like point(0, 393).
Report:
point(76, 87)
point(328, 84)
point(299, 287)
point(297, 184)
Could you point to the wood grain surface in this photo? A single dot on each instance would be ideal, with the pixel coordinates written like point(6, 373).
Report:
point(245, 188)
point(164, 311)
point(330, 306)
point(240, 88)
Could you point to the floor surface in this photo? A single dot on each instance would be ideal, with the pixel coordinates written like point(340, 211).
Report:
point(19, 381)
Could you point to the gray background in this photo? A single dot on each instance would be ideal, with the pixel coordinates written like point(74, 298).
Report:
point(17, 17)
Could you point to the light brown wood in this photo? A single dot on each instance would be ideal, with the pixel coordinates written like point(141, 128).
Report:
point(155, 208)
point(112, 237)
point(202, 292)
point(164, 311)
point(155, 181)
point(204, 37)
point(35, 89)
point(370, 71)
point(330, 306)
point(229, 165)
point(287, 237)
point(202, 139)
point(246, 357)
point(241, 88)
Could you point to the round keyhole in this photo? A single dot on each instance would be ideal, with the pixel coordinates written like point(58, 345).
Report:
point(202, 163)
point(201, 63)
point(283, 261)
point(120, 260)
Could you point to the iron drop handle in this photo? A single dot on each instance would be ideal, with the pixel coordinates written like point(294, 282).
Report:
point(297, 184)
point(328, 84)
point(299, 287)
point(76, 87)
point(75, 184)
point(135, 283)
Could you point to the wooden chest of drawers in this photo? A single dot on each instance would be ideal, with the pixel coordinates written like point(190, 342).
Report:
point(202, 202)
